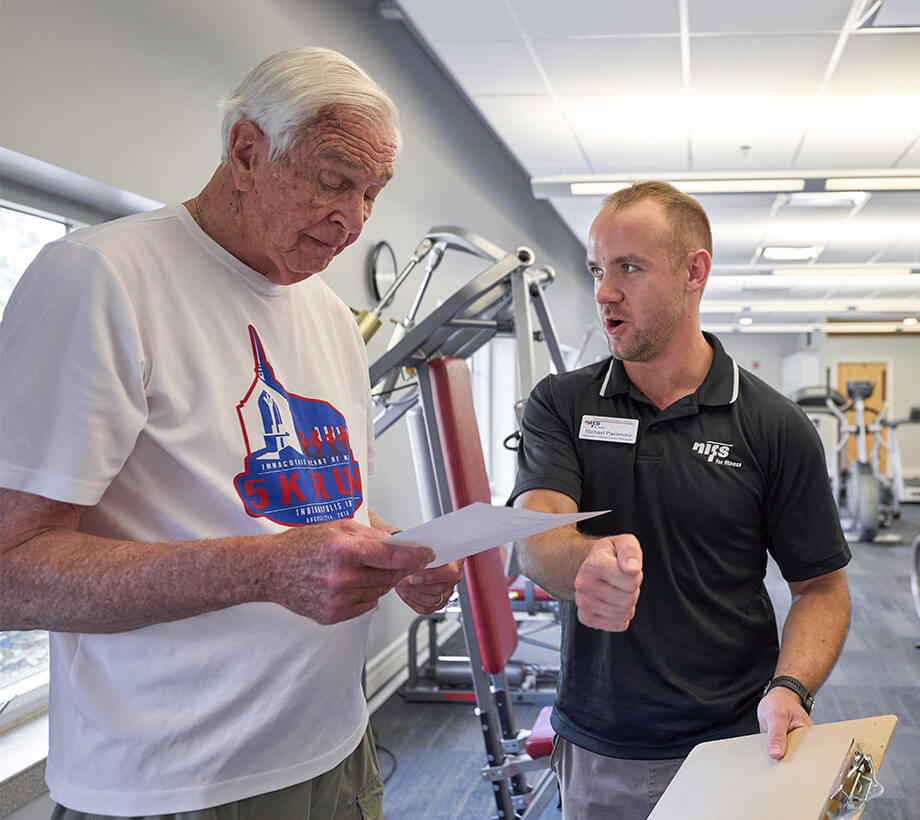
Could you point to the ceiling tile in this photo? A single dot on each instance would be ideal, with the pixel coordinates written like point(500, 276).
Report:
point(911, 159)
point(618, 66)
point(725, 209)
point(860, 130)
point(492, 67)
point(852, 252)
point(623, 134)
point(776, 16)
point(550, 18)
point(880, 61)
point(892, 205)
point(759, 63)
point(906, 250)
point(469, 20)
point(746, 132)
point(535, 130)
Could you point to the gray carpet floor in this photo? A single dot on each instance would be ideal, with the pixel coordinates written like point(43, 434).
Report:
point(432, 753)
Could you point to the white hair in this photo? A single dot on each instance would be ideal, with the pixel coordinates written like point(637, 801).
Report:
point(289, 90)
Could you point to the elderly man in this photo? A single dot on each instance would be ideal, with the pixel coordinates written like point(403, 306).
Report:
point(186, 440)
point(669, 637)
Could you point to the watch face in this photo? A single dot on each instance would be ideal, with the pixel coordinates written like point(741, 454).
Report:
point(381, 269)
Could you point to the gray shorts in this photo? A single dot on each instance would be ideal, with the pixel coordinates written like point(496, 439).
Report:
point(352, 790)
point(595, 787)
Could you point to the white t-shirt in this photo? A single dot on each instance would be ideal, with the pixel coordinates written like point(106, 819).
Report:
point(153, 377)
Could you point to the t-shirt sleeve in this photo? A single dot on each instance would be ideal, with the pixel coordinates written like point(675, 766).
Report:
point(72, 397)
point(547, 458)
point(803, 524)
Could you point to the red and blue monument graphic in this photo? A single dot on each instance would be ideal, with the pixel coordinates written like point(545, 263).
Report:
point(299, 468)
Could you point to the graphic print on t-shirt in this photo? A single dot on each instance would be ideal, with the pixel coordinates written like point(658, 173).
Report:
point(299, 468)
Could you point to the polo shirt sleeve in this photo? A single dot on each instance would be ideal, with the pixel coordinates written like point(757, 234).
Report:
point(547, 457)
point(801, 517)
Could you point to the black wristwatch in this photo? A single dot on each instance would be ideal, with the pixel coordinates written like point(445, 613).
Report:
point(808, 699)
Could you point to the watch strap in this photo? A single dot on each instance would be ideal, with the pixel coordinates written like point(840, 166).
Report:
point(788, 682)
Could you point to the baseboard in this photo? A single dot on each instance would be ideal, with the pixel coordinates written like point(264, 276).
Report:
point(389, 668)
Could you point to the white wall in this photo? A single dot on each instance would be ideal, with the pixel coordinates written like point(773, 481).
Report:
point(126, 92)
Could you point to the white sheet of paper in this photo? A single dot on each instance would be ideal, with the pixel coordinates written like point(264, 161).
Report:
point(479, 527)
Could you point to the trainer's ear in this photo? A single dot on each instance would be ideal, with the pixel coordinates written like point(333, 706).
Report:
point(699, 263)
point(247, 148)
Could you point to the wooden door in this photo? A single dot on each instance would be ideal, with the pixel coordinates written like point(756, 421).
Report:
point(870, 371)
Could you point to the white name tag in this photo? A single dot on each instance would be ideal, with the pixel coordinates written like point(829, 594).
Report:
point(605, 428)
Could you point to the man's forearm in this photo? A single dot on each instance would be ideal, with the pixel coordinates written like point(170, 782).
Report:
point(68, 581)
point(815, 629)
point(552, 559)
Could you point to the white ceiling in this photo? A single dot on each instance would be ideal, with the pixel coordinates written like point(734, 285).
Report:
point(584, 89)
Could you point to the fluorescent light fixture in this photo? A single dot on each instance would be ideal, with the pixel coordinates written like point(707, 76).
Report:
point(746, 320)
point(763, 327)
point(872, 183)
point(811, 327)
point(739, 186)
point(868, 327)
point(790, 253)
point(881, 283)
point(825, 306)
point(596, 188)
point(842, 272)
point(910, 321)
point(697, 186)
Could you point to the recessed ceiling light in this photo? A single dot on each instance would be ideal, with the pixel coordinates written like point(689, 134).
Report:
point(910, 321)
point(746, 320)
point(826, 199)
point(790, 253)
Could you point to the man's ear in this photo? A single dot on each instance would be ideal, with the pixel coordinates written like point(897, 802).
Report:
point(699, 263)
point(248, 147)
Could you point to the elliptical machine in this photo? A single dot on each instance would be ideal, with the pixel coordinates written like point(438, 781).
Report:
point(861, 485)
point(858, 485)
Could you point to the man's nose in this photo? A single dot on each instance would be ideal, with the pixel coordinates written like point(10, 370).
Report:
point(606, 290)
point(351, 213)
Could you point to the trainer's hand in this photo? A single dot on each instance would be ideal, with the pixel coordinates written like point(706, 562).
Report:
point(779, 712)
point(337, 571)
point(428, 590)
point(607, 584)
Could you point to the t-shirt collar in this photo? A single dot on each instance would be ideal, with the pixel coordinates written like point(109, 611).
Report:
point(721, 385)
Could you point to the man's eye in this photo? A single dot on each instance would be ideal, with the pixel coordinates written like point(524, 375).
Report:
point(596, 273)
point(629, 267)
point(332, 182)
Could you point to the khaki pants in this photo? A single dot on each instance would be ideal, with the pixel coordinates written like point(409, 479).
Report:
point(595, 787)
point(352, 790)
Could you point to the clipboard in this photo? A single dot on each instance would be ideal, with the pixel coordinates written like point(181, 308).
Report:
point(828, 773)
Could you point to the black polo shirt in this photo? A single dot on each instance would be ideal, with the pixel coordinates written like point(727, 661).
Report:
point(709, 485)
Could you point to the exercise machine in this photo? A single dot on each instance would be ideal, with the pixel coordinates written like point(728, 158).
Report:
point(859, 487)
point(502, 300)
point(900, 488)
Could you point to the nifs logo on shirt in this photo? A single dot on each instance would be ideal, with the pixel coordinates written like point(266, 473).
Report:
point(717, 452)
point(299, 468)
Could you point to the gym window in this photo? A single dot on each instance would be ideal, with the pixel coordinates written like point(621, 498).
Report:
point(23, 655)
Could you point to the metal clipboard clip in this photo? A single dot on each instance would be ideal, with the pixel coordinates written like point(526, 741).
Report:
point(859, 785)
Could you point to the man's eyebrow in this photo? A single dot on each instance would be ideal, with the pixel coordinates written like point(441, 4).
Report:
point(628, 258)
point(343, 158)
